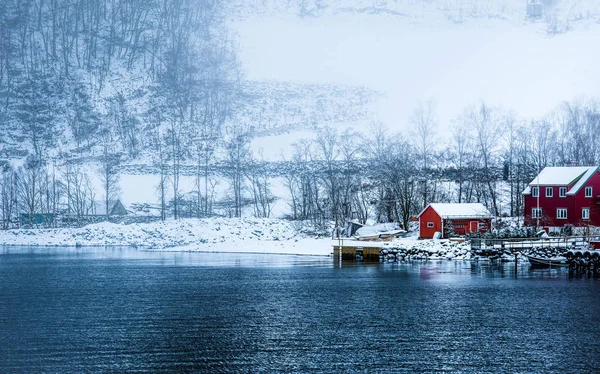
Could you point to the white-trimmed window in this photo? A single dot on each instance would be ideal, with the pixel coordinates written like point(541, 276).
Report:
point(588, 192)
point(562, 192)
point(561, 213)
point(430, 225)
point(549, 191)
point(585, 213)
point(536, 213)
point(535, 191)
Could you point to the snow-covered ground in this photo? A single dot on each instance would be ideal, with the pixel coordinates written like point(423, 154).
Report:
point(225, 235)
point(246, 235)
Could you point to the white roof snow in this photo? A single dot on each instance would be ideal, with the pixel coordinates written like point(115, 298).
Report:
point(466, 210)
point(378, 229)
point(559, 176)
point(563, 176)
point(577, 186)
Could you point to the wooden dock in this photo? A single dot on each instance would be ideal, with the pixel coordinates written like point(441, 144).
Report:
point(351, 250)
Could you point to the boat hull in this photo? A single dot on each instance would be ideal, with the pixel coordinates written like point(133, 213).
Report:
point(544, 262)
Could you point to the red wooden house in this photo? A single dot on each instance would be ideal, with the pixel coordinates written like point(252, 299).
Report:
point(561, 196)
point(464, 218)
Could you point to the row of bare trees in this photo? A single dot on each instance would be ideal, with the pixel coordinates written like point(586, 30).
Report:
point(487, 155)
point(43, 189)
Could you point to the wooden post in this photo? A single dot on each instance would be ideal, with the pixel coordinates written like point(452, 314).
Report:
point(516, 262)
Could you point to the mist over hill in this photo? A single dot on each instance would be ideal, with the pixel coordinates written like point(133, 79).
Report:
point(320, 110)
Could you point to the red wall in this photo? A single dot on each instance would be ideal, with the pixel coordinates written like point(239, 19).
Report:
point(429, 215)
point(573, 204)
point(463, 227)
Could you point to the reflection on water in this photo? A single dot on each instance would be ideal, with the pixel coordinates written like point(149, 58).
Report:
point(120, 309)
point(150, 257)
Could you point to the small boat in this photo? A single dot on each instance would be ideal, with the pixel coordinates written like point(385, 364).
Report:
point(547, 262)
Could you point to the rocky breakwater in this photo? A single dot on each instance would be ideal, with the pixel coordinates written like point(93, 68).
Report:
point(425, 250)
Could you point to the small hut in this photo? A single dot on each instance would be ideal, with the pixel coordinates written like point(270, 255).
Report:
point(462, 219)
point(115, 208)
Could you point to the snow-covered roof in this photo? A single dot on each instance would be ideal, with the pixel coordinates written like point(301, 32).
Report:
point(560, 175)
point(99, 207)
point(464, 210)
point(577, 186)
point(378, 229)
point(563, 176)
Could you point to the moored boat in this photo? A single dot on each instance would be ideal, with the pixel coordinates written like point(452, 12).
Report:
point(547, 262)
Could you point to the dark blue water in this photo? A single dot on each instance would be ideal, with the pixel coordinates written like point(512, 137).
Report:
point(120, 310)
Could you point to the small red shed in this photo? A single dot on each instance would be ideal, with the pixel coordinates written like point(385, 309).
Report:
point(464, 218)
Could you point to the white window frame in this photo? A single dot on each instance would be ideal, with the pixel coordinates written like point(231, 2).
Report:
point(585, 213)
point(535, 192)
point(551, 190)
point(591, 192)
point(430, 225)
point(538, 211)
point(562, 192)
point(559, 212)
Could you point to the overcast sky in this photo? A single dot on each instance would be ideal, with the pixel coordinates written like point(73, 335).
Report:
point(516, 67)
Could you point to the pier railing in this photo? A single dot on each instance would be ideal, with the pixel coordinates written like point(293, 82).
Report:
point(515, 244)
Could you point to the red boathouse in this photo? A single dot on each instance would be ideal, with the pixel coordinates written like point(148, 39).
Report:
point(464, 218)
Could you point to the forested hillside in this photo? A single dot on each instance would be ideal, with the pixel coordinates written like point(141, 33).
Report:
point(137, 82)
point(93, 89)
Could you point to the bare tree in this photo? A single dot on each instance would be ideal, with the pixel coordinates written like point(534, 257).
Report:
point(260, 186)
point(160, 155)
point(8, 195)
point(237, 148)
point(400, 173)
point(328, 153)
point(376, 151)
point(109, 177)
point(177, 152)
point(488, 127)
point(461, 151)
point(424, 122)
point(29, 180)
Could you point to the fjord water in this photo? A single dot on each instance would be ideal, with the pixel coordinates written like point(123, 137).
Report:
point(120, 310)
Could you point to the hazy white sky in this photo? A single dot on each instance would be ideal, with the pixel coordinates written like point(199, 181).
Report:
point(516, 67)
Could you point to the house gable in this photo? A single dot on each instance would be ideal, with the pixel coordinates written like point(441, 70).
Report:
point(430, 222)
point(583, 180)
point(115, 208)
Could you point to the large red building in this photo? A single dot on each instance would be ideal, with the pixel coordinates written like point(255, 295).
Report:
point(464, 218)
point(561, 196)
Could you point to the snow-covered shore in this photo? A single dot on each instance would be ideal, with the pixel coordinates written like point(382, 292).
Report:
point(246, 235)
point(229, 235)
point(225, 235)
